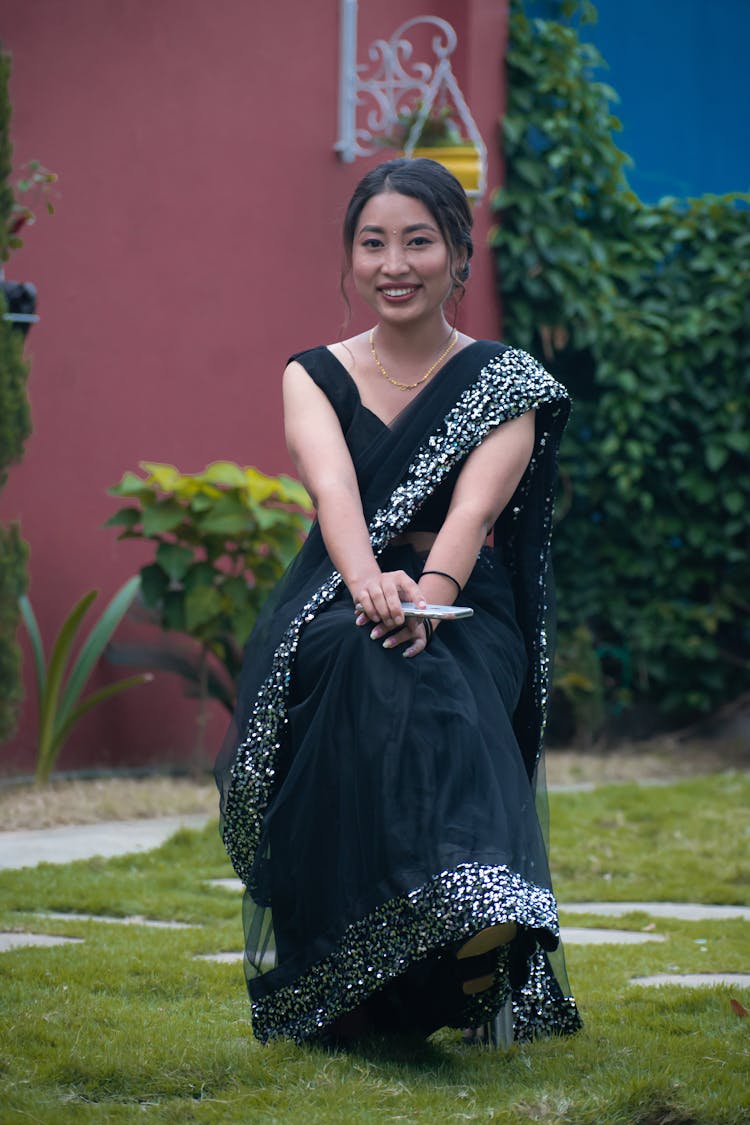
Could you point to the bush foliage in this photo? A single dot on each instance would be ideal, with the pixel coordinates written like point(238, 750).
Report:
point(644, 312)
point(15, 427)
point(222, 539)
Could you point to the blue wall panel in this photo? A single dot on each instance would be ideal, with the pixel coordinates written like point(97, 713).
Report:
point(681, 69)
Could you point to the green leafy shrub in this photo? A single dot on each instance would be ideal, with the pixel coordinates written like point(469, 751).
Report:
point(644, 312)
point(7, 198)
point(223, 538)
point(578, 700)
point(15, 427)
point(13, 555)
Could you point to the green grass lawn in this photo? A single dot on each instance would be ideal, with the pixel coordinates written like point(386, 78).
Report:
point(129, 1026)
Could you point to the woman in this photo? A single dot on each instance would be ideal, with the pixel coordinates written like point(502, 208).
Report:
point(378, 799)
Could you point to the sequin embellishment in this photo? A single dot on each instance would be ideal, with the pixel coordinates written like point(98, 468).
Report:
point(374, 950)
point(508, 386)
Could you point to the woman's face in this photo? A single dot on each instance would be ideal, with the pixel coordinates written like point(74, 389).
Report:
point(401, 264)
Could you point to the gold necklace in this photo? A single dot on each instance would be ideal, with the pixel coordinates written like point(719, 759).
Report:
point(411, 386)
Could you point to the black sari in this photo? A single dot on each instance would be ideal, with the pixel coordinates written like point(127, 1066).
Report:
point(380, 811)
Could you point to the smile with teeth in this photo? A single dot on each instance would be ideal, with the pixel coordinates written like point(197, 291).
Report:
point(400, 291)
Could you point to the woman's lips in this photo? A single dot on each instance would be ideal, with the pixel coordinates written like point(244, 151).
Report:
point(398, 292)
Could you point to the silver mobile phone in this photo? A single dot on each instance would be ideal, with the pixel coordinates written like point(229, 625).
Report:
point(437, 612)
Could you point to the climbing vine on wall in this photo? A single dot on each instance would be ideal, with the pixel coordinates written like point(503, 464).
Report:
point(644, 312)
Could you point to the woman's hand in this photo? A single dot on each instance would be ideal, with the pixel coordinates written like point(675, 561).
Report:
point(416, 632)
point(378, 599)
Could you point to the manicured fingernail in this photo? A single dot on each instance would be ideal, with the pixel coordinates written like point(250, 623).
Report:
point(360, 620)
point(422, 603)
point(388, 642)
point(376, 634)
point(409, 652)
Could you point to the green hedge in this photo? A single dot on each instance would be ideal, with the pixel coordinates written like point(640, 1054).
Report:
point(644, 312)
point(15, 426)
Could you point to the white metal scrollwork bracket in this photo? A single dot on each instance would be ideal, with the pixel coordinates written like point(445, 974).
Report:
point(392, 83)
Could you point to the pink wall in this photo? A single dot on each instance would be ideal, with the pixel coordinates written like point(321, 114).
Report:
point(195, 246)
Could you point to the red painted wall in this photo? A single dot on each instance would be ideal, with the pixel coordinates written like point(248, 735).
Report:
point(195, 246)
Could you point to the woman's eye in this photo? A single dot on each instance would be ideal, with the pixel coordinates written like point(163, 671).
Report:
point(372, 243)
point(420, 240)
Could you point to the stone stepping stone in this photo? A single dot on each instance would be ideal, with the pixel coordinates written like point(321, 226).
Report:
point(227, 884)
point(20, 941)
point(683, 911)
point(696, 980)
point(224, 958)
point(82, 841)
point(130, 920)
point(232, 958)
point(572, 935)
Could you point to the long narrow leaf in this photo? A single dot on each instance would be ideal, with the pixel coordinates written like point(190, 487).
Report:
point(94, 646)
point(37, 647)
point(56, 669)
point(62, 732)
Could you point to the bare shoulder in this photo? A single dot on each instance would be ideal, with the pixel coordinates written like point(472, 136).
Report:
point(462, 341)
point(296, 381)
point(351, 353)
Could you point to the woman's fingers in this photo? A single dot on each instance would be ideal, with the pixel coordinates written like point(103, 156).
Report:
point(414, 634)
point(410, 591)
point(364, 609)
point(379, 601)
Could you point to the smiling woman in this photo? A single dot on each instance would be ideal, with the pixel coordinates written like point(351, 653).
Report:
point(381, 811)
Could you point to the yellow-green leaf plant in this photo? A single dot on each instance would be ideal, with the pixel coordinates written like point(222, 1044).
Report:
point(60, 685)
point(222, 538)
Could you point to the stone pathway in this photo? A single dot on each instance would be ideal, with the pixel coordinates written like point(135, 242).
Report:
point(117, 837)
point(129, 920)
point(62, 845)
point(683, 911)
point(696, 980)
point(10, 941)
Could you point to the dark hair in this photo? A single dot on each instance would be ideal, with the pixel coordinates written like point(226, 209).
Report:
point(439, 191)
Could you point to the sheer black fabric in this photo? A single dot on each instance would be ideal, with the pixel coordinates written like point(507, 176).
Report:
point(379, 810)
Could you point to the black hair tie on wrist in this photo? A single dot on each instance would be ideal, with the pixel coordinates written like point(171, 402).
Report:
point(428, 631)
point(442, 574)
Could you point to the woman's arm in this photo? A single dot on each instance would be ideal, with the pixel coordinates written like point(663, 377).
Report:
point(319, 451)
point(485, 484)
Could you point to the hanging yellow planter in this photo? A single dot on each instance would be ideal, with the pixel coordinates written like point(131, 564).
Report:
point(463, 161)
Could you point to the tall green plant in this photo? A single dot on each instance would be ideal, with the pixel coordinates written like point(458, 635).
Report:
point(60, 684)
point(15, 427)
point(644, 311)
point(221, 540)
point(7, 198)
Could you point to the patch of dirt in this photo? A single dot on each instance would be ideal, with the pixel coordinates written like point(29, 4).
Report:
point(77, 801)
point(658, 759)
point(24, 807)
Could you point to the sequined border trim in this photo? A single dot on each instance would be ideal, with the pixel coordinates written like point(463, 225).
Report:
point(539, 1008)
point(376, 949)
point(508, 386)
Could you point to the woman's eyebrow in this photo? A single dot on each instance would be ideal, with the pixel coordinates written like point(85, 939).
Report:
point(371, 229)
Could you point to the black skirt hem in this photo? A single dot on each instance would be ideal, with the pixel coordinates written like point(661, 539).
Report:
point(410, 929)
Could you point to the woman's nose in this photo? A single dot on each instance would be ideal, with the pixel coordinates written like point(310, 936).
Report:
point(395, 259)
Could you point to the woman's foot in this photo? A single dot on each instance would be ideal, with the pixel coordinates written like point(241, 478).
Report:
point(478, 975)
